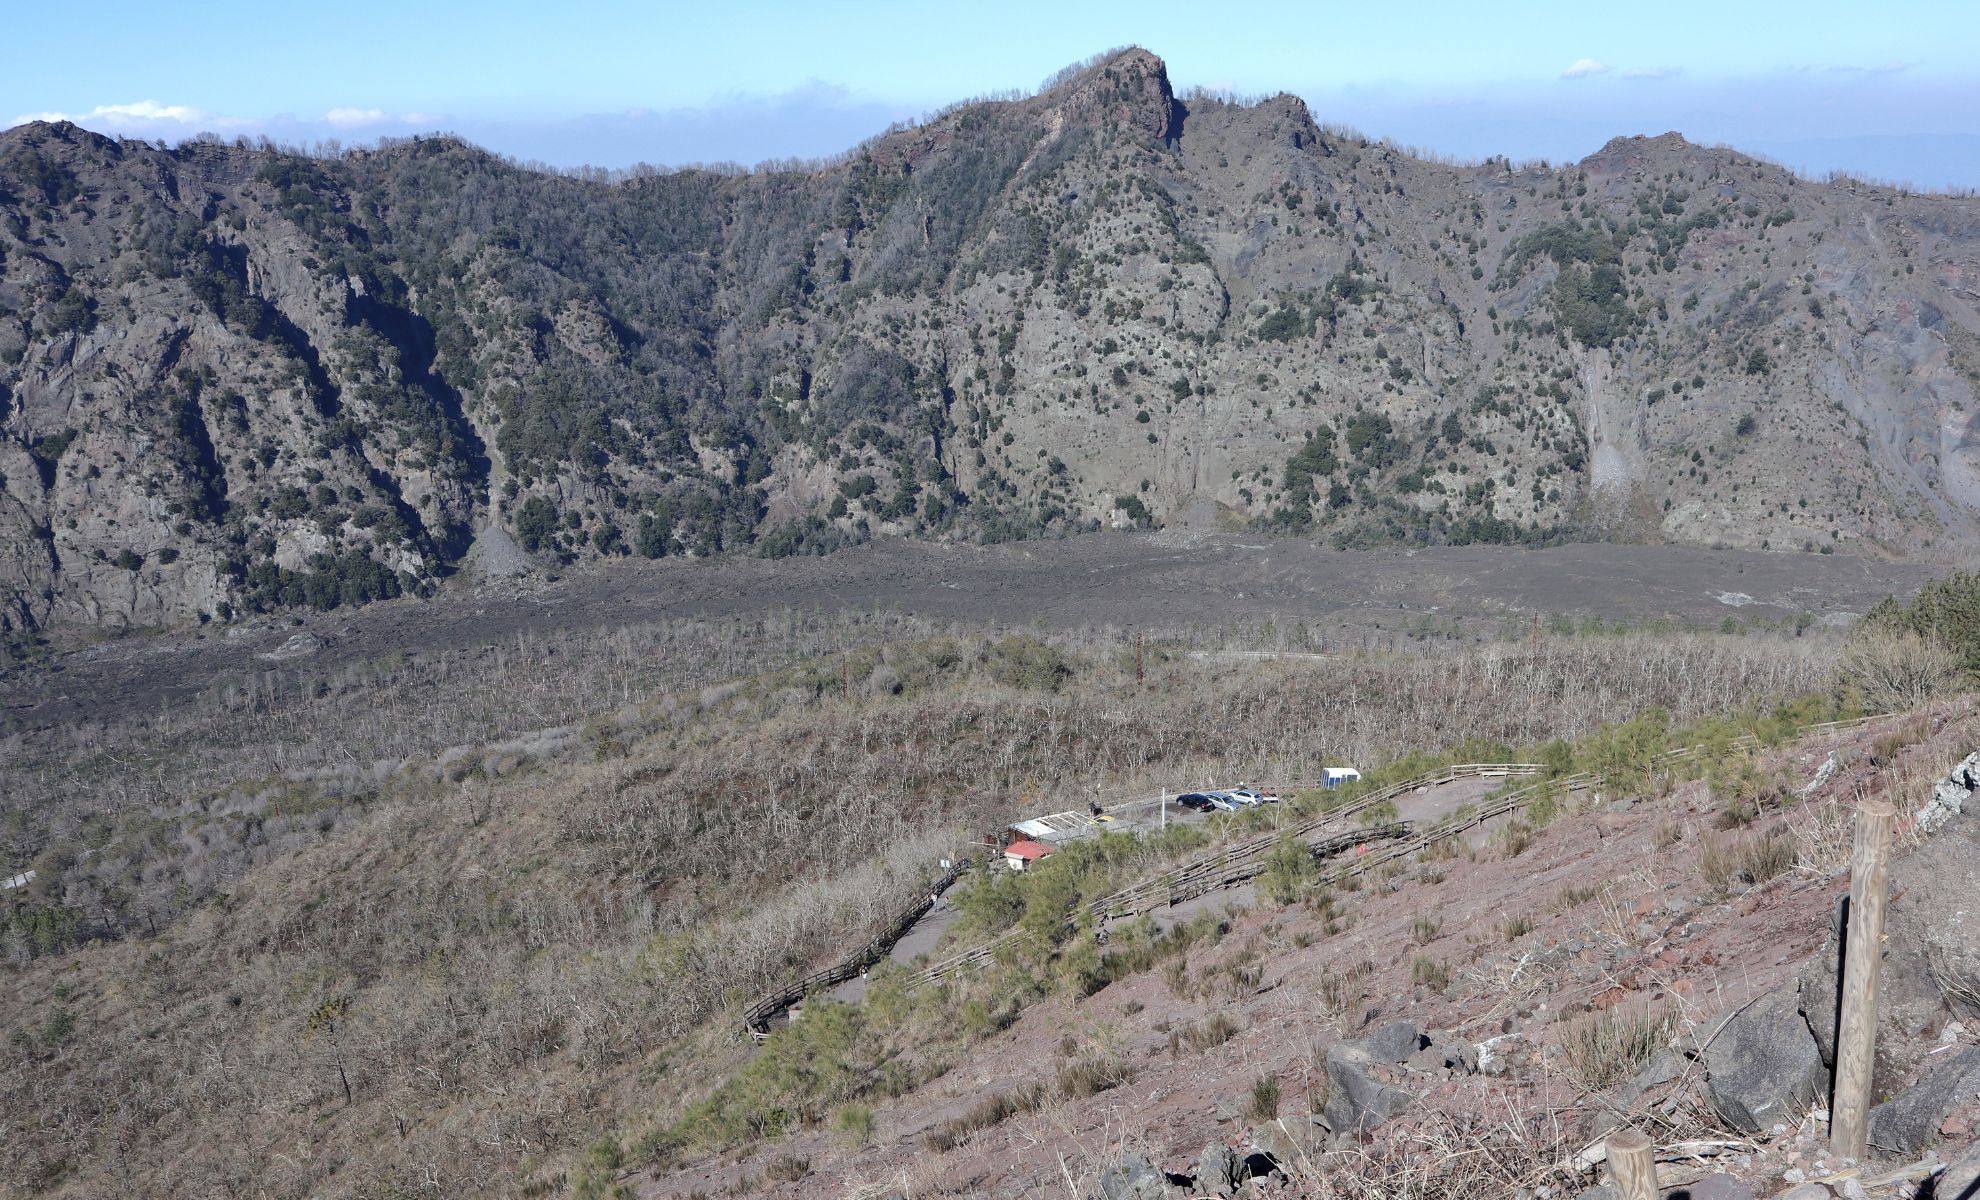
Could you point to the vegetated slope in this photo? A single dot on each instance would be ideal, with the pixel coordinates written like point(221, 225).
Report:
point(234, 378)
point(457, 970)
point(1548, 958)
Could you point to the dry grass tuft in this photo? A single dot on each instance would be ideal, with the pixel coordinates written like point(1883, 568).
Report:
point(1211, 1032)
point(1263, 1103)
point(1751, 861)
point(1574, 896)
point(1076, 1080)
point(1514, 839)
point(1443, 849)
point(787, 1168)
point(1432, 973)
point(1605, 1048)
point(1467, 1146)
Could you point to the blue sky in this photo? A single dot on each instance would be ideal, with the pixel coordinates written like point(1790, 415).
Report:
point(1892, 90)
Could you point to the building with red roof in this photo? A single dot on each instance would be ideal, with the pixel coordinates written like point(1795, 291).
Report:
point(1023, 852)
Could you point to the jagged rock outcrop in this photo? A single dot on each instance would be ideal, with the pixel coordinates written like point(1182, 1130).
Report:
point(233, 378)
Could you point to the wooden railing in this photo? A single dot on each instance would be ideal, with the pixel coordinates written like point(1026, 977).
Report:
point(1236, 862)
point(1240, 861)
point(1451, 826)
point(756, 1018)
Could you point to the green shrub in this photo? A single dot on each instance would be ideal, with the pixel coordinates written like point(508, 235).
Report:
point(822, 1059)
point(536, 523)
point(854, 1124)
point(1023, 661)
point(1289, 870)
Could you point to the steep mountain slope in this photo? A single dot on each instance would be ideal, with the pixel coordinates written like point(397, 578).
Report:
point(233, 378)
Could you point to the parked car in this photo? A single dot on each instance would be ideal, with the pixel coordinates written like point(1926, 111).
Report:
point(1224, 801)
point(1254, 796)
point(1196, 802)
point(1242, 797)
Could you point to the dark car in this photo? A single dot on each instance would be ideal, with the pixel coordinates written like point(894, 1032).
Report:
point(1196, 802)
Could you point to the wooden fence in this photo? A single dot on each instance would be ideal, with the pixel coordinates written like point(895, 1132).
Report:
point(1237, 862)
point(756, 1018)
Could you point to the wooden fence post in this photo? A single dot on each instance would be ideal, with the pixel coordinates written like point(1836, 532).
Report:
point(1632, 1167)
point(1856, 1043)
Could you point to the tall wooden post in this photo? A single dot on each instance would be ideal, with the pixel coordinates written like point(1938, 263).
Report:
point(1632, 1167)
point(1856, 1043)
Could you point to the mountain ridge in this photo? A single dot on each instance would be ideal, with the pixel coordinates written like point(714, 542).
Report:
point(236, 379)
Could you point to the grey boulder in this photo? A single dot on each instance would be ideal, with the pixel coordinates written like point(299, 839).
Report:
point(1133, 1178)
point(1394, 1042)
point(1219, 1171)
point(1356, 1101)
point(1909, 1121)
point(1961, 1180)
point(1762, 1064)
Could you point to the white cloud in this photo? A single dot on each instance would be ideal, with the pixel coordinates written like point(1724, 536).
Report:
point(346, 118)
point(363, 118)
point(1581, 68)
point(143, 114)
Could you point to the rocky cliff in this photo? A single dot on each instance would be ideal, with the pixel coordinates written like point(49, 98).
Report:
point(235, 378)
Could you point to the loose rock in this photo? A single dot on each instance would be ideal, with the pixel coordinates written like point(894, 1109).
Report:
point(1357, 1102)
point(1720, 1186)
point(1961, 1180)
point(1910, 1121)
point(1133, 1178)
point(1219, 1171)
point(1394, 1042)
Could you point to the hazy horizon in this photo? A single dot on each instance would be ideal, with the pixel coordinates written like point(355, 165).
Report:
point(1816, 87)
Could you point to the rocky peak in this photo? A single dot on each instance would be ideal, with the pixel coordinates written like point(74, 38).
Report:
point(49, 134)
point(1130, 89)
point(1637, 153)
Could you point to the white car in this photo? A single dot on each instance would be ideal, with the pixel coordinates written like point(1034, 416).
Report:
point(1253, 797)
